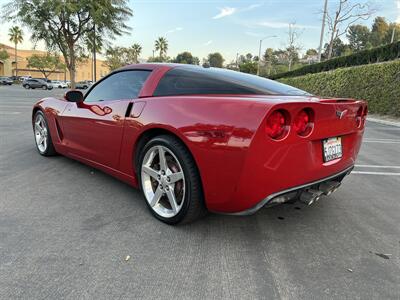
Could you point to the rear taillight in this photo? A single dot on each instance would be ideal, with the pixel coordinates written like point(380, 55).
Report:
point(359, 117)
point(277, 125)
point(304, 122)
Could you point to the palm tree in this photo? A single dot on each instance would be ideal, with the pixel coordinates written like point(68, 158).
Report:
point(16, 37)
point(136, 50)
point(162, 46)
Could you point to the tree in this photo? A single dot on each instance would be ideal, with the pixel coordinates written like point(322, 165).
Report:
point(215, 60)
point(338, 48)
point(311, 52)
point(394, 28)
point(249, 56)
point(16, 37)
point(64, 25)
point(118, 57)
point(345, 15)
point(359, 36)
point(46, 64)
point(186, 58)
point(136, 49)
point(248, 67)
point(270, 59)
point(161, 45)
point(292, 49)
point(379, 31)
point(3, 55)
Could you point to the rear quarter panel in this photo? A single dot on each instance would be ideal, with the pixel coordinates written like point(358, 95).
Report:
point(217, 131)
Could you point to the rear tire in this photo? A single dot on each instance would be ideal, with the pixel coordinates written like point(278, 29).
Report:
point(43, 141)
point(171, 185)
point(27, 86)
point(44, 87)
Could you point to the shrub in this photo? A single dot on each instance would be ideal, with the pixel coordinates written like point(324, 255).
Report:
point(375, 55)
point(379, 84)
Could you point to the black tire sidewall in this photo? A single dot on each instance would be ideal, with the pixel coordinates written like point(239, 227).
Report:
point(168, 143)
point(50, 148)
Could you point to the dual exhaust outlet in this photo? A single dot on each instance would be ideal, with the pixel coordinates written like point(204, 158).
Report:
point(311, 195)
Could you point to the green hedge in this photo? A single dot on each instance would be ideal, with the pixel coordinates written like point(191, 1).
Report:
point(379, 84)
point(375, 55)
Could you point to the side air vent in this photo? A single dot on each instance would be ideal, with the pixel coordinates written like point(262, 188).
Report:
point(59, 131)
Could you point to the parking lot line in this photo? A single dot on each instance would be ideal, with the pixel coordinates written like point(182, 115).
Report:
point(382, 141)
point(9, 112)
point(376, 166)
point(376, 173)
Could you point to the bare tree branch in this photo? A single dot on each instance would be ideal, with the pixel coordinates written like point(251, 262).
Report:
point(346, 14)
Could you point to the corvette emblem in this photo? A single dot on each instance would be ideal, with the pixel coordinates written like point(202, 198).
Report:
point(341, 114)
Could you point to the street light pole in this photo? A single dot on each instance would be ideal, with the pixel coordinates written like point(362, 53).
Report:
point(321, 40)
point(259, 52)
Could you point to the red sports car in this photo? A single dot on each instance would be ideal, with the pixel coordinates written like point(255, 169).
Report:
point(197, 139)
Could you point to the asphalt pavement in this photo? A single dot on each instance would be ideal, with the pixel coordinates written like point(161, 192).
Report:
point(66, 231)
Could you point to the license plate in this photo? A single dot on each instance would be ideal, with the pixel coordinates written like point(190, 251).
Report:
point(332, 148)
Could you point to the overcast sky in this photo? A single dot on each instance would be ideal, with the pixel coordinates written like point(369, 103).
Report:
point(229, 27)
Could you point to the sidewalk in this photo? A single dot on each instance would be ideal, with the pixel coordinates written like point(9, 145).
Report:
point(386, 120)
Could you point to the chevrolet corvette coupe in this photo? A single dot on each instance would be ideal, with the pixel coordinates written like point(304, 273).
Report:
point(197, 139)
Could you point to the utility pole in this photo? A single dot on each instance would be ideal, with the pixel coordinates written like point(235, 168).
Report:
point(94, 53)
point(321, 41)
point(237, 62)
point(393, 32)
point(259, 52)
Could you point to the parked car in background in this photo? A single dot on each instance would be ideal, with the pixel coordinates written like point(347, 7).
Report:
point(23, 78)
point(59, 84)
point(6, 80)
point(83, 84)
point(37, 83)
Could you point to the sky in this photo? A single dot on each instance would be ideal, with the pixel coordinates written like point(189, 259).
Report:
point(228, 27)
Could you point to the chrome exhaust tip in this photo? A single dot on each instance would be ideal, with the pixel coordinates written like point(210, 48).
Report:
point(329, 187)
point(310, 196)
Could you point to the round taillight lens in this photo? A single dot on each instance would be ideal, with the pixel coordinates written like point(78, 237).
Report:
point(359, 117)
point(303, 122)
point(276, 126)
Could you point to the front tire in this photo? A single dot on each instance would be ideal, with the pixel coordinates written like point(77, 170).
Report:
point(27, 86)
point(44, 143)
point(170, 181)
point(44, 87)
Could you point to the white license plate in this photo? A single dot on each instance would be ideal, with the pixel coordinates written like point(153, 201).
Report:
point(332, 148)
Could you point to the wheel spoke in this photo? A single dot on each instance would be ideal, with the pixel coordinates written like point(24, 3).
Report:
point(163, 161)
point(156, 197)
point(151, 172)
point(37, 127)
point(44, 143)
point(41, 140)
point(174, 177)
point(172, 200)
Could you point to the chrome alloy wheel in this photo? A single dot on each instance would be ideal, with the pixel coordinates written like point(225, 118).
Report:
point(41, 135)
point(163, 181)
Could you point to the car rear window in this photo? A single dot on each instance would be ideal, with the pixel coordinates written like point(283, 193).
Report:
point(194, 80)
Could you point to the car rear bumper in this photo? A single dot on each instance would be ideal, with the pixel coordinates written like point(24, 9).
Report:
point(293, 193)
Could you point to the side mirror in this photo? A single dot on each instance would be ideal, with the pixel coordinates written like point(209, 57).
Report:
point(74, 96)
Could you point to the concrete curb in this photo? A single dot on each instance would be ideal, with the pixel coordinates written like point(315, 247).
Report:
point(385, 122)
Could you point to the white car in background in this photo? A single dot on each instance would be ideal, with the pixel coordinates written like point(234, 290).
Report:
point(59, 84)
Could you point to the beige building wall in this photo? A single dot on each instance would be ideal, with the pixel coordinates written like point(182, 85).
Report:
point(83, 69)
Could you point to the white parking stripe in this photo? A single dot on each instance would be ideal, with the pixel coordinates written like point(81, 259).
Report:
point(9, 112)
point(382, 141)
point(376, 173)
point(376, 166)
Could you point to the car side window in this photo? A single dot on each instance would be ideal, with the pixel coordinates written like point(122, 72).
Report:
point(121, 85)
